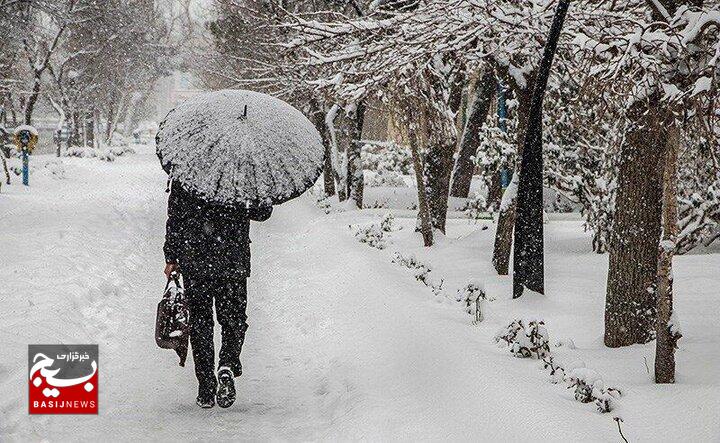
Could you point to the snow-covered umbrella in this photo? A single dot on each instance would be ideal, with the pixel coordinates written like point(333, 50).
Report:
point(240, 147)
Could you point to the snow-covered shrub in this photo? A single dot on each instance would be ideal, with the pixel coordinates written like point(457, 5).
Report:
point(587, 384)
point(590, 387)
point(387, 156)
point(323, 202)
point(387, 223)
point(473, 295)
point(525, 339)
point(475, 207)
point(86, 152)
point(373, 235)
point(383, 178)
point(120, 150)
point(531, 340)
point(557, 371)
point(421, 271)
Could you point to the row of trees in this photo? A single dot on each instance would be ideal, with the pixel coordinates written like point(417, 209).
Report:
point(628, 123)
point(95, 63)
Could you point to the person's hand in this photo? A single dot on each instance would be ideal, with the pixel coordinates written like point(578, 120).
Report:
point(170, 268)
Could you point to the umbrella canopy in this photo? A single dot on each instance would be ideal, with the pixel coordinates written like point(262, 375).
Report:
point(240, 147)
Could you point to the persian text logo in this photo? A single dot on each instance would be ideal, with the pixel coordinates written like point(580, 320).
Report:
point(63, 379)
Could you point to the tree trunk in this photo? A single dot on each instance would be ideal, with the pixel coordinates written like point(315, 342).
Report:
point(337, 139)
point(110, 126)
point(115, 110)
point(426, 228)
point(438, 167)
point(89, 128)
point(529, 258)
point(75, 133)
point(506, 216)
point(355, 179)
point(318, 119)
point(495, 192)
point(631, 303)
point(32, 99)
point(96, 129)
point(668, 333)
point(470, 141)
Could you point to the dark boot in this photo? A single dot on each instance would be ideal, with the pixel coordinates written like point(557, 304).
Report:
point(226, 387)
point(205, 398)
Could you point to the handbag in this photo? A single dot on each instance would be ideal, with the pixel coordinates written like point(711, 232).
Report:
point(172, 322)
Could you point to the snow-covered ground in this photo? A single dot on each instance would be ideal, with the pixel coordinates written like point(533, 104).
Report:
point(343, 344)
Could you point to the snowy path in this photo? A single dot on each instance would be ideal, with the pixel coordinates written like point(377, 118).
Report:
point(342, 345)
point(329, 353)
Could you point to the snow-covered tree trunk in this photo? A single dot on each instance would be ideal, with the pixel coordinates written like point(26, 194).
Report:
point(631, 302)
point(39, 55)
point(89, 129)
point(76, 133)
point(506, 215)
point(318, 119)
point(62, 118)
point(355, 179)
point(115, 111)
point(34, 95)
point(96, 128)
point(668, 332)
point(112, 115)
point(424, 217)
point(338, 164)
point(136, 101)
point(470, 141)
point(438, 167)
point(529, 258)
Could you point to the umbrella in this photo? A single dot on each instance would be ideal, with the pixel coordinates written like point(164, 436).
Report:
point(236, 146)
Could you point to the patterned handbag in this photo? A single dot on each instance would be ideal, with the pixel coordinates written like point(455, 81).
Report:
point(172, 322)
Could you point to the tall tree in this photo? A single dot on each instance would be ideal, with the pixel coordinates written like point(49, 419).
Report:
point(470, 139)
point(529, 267)
point(668, 331)
point(318, 119)
point(502, 246)
point(630, 306)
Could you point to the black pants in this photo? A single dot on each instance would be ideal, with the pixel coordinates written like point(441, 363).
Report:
point(230, 295)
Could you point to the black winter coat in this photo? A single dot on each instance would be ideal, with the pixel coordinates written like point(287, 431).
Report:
point(208, 239)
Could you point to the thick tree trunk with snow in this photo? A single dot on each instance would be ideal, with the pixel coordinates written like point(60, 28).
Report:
point(89, 130)
point(33, 97)
point(318, 119)
point(110, 125)
point(495, 191)
point(506, 215)
point(96, 141)
point(529, 258)
point(631, 302)
point(424, 217)
point(355, 179)
point(335, 122)
point(470, 140)
point(438, 167)
point(668, 333)
point(75, 129)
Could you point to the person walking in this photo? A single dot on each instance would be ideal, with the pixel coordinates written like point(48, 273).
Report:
point(210, 245)
point(230, 155)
